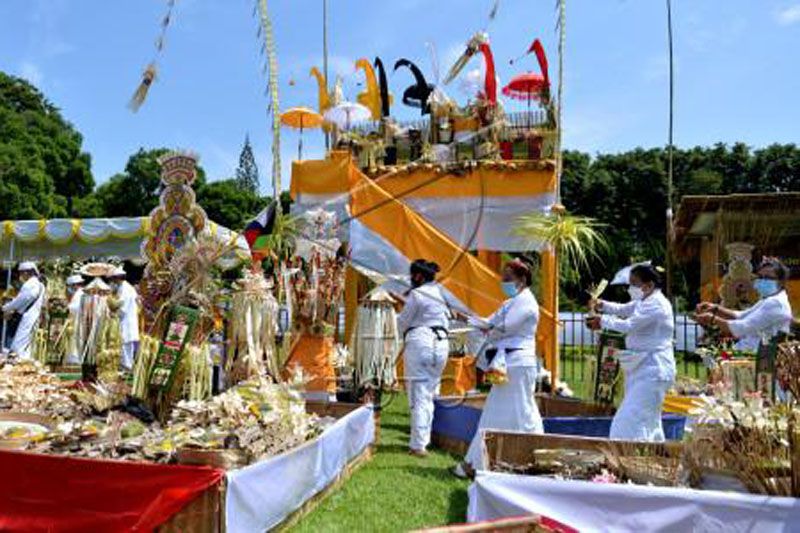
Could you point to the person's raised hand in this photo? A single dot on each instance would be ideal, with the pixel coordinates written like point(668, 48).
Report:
point(705, 307)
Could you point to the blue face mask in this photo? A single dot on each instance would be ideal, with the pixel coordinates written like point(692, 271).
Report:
point(510, 288)
point(766, 287)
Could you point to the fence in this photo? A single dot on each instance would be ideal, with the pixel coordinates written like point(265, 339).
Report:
point(514, 123)
point(578, 346)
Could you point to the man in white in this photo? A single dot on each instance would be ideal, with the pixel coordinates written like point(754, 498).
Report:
point(75, 293)
point(423, 322)
point(128, 317)
point(27, 303)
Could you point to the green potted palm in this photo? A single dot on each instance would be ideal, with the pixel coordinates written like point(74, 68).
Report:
point(574, 239)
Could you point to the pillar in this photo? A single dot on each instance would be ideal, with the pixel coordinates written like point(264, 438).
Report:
point(547, 333)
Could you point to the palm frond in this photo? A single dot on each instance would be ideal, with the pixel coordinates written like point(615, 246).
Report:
point(576, 239)
point(281, 241)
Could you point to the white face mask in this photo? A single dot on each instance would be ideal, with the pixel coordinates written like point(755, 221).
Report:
point(636, 293)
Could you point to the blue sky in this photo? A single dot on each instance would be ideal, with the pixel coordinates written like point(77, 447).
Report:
point(736, 67)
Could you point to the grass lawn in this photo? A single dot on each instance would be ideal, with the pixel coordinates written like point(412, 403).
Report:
point(397, 492)
point(394, 491)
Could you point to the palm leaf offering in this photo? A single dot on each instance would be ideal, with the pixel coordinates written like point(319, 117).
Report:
point(596, 290)
point(256, 419)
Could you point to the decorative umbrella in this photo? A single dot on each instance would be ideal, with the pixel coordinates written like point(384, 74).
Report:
point(622, 277)
point(345, 113)
point(301, 118)
point(531, 86)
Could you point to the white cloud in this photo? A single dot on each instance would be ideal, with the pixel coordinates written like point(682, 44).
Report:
point(788, 15)
point(31, 72)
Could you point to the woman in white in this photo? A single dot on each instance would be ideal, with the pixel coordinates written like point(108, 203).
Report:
point(128, 318)
point(770, 316)
point(648, 361)
point(27, 303)
point(511, 331)
point(423, 324)
point(75, 293)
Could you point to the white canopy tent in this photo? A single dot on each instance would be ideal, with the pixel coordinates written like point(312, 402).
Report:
point(45, 240)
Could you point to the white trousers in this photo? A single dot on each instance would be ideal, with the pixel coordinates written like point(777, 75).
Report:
point(129, 350)
point(424, 359)
point(511, 406)
point(639, 416)
point(22, 343)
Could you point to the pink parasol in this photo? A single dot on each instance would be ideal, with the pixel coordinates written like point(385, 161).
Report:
point(531, 86)
point(528, 86)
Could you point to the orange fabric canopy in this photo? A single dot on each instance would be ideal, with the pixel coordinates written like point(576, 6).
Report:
point(330, 176)
point(466, 277)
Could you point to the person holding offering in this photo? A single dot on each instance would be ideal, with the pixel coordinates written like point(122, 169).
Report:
point(648, 362)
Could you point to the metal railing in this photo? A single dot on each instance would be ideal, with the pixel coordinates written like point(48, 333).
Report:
point(514, 122)
point(578, 347)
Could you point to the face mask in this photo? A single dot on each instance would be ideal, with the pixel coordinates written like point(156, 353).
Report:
point(766, 287)
point(635, 293)
point(510, 288)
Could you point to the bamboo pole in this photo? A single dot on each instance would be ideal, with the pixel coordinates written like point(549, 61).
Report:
point(669, 222)
point(272, 58)
point(8, 286)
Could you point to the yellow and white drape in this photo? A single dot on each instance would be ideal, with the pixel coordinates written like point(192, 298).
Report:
point(94, 237)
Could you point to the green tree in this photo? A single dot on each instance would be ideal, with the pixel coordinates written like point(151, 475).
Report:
point(247, 172)
point(135, 191)
point(42, 167)
point(227, 204)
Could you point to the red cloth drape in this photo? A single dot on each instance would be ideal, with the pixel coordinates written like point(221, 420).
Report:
point(61, 494)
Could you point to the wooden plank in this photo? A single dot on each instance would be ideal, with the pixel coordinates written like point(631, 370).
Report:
point(449, 444)
point(522, 524)
point(518, 449)
point(204, 514)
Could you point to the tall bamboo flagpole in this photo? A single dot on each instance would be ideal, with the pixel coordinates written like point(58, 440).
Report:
point(670, 149)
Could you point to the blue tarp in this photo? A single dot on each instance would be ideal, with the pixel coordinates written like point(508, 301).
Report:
point(460, 422)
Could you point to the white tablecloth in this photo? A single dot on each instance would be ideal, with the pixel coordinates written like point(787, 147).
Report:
point(262, 495)
point(590, 506)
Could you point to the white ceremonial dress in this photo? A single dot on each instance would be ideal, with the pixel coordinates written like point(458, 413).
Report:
point(128, 323)
point(512, 405)
point(29, 302)
point(423, 323)
point(648, 362)
point(74, 308)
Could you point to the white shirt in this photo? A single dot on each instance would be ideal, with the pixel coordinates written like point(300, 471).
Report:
point(761, 322)
point(426, 306)
point(74, 305)
point(31, 291)
point(649, 328)
point(513, 327)
point(128, 312)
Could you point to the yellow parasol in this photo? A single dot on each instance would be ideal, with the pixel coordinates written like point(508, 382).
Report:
point(301, 118)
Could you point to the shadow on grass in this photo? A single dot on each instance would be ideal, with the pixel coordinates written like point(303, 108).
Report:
point(457, 510)
point(395, 426)
point(393, 448)
point(429, 472)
